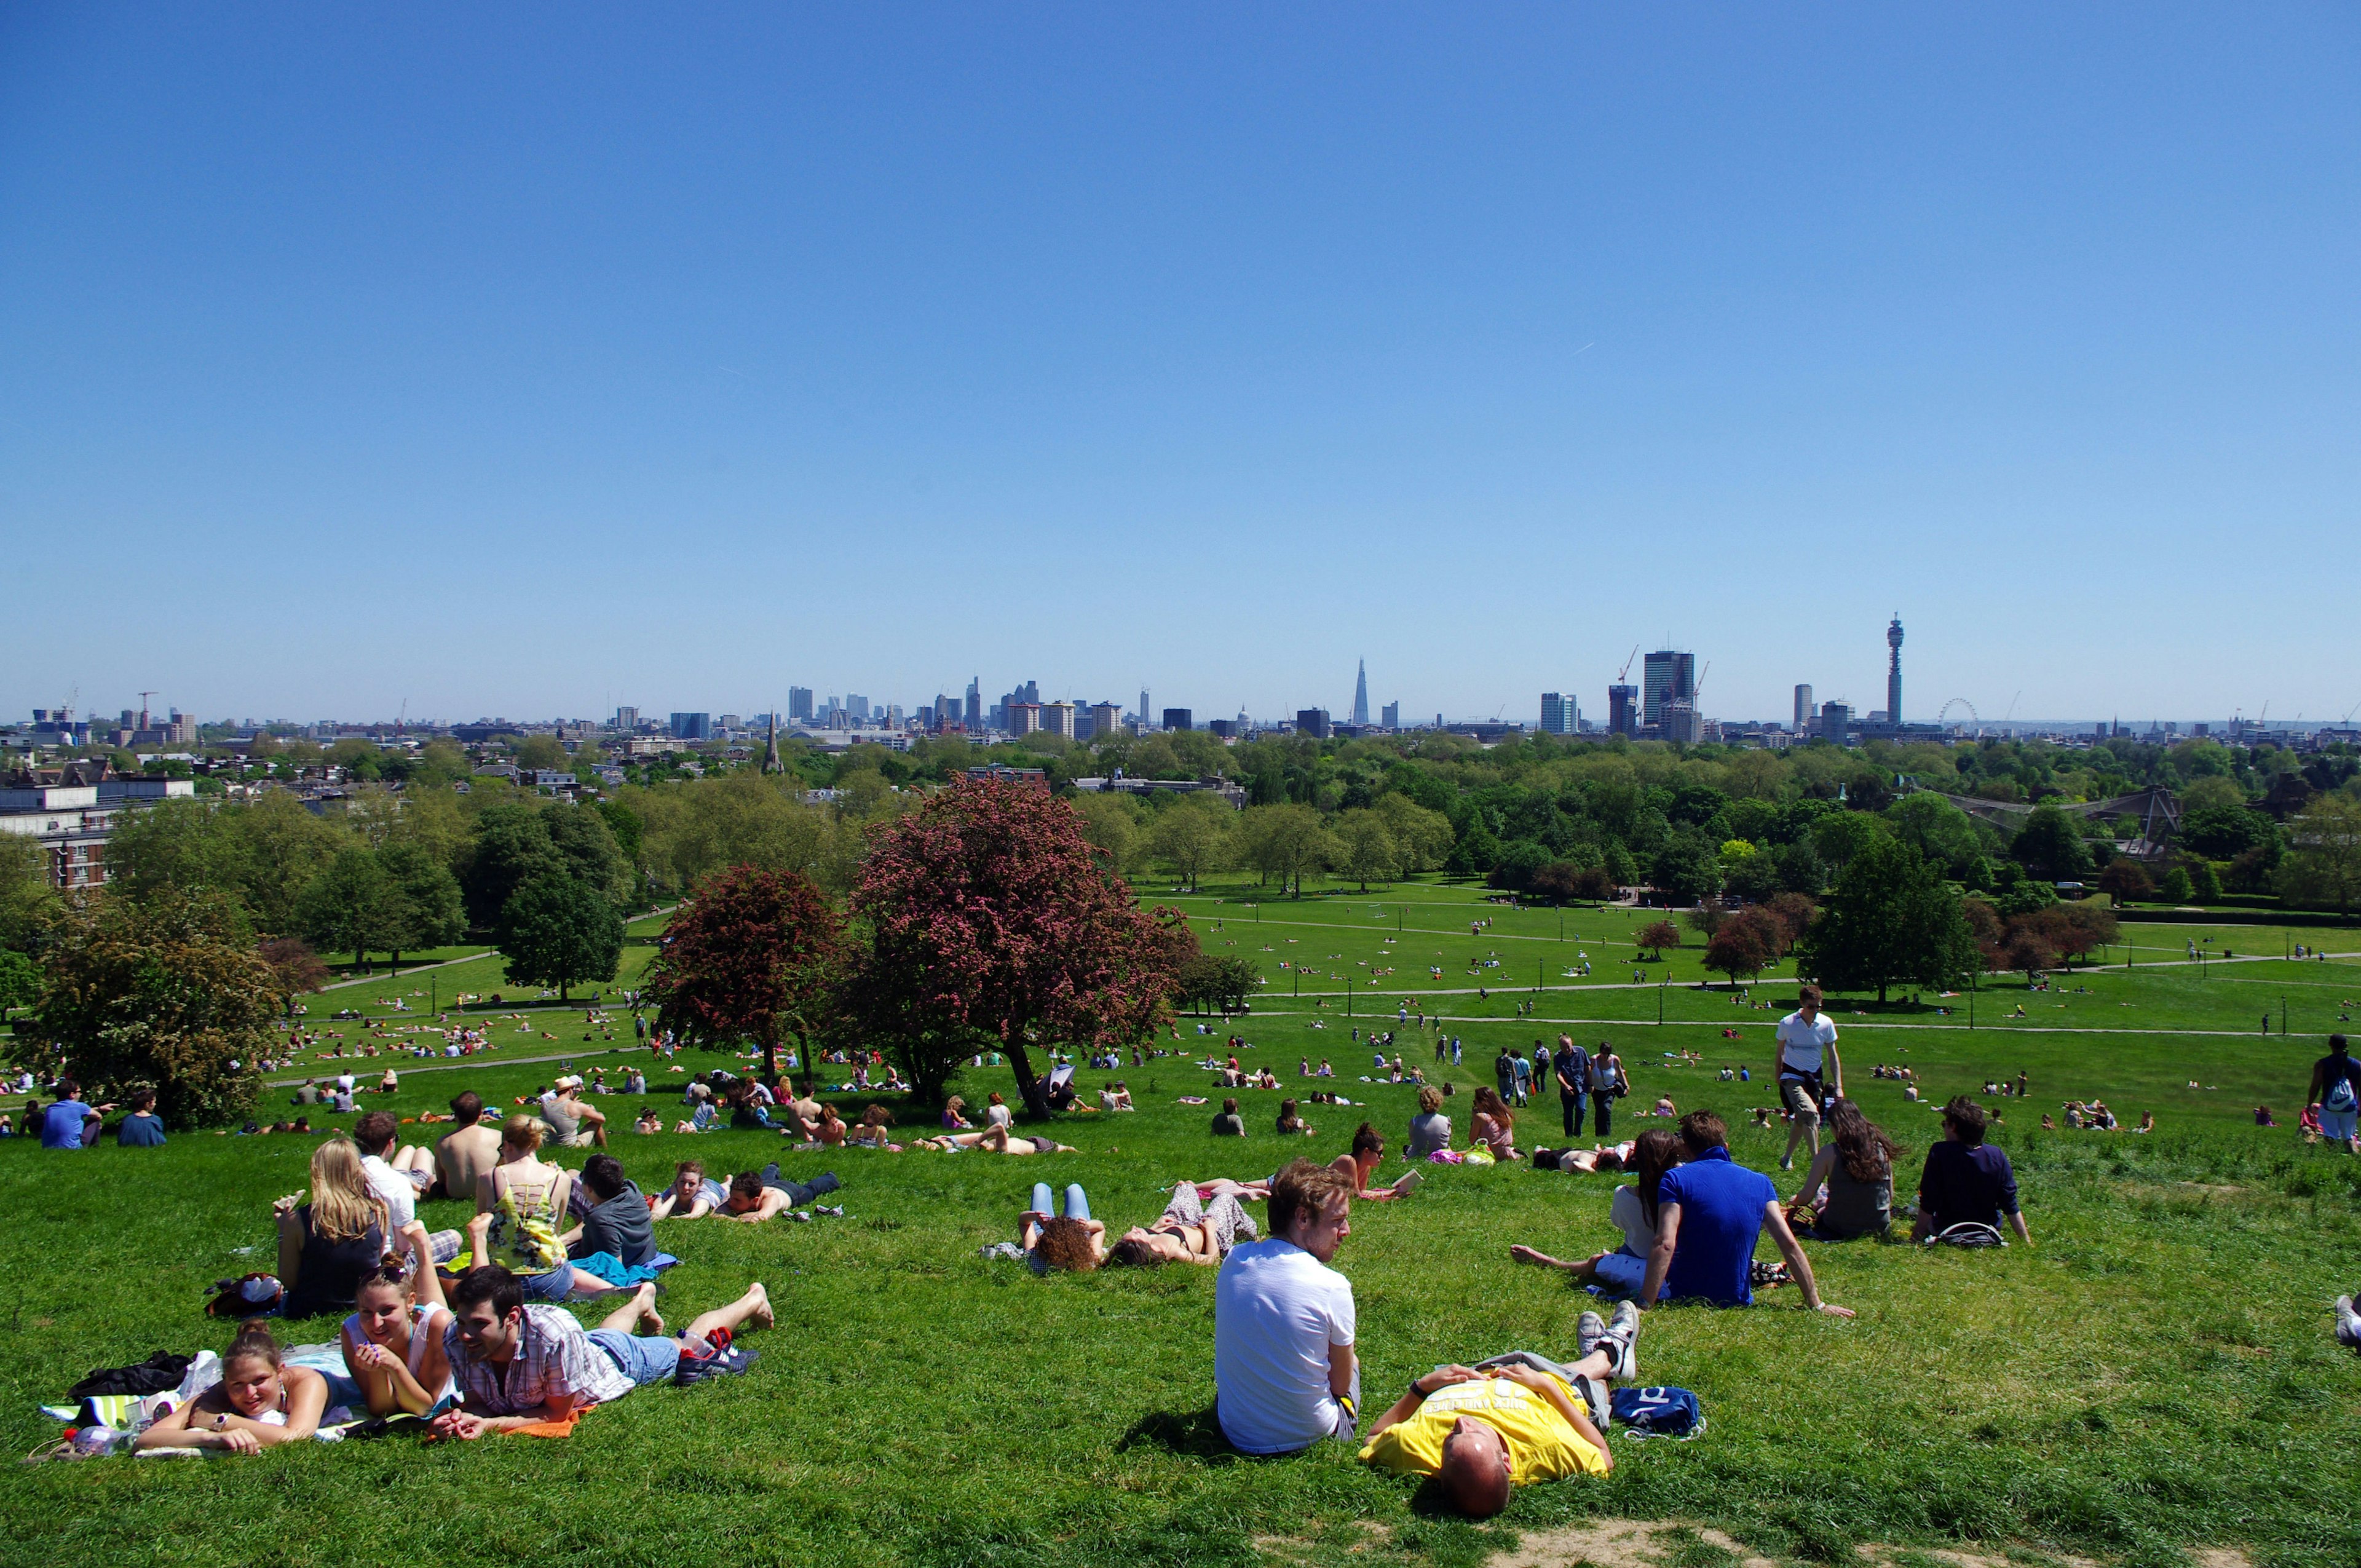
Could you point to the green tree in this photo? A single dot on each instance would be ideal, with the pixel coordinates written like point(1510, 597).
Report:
point(182, 844)
point(2324, 867)
point(1936, 828)
point(428, 910)
point(1223, 984)
point(1194, 834)
point(1838, 836)
point(1285, 842)
point(20, 980)
point(2051, 847)
point(29, 900)
point(559, 930)
point(1423, 838)
point(1687, 869)
point(1891, 919)
point(281, 846)
point(166, 992)
point(512, 847)
point(2175, 887)
point(587, 849)
point(539, 751)
point(1110, 825)
point(1369, 846)
point(353, 906)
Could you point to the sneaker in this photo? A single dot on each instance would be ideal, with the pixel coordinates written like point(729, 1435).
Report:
point(1622, 1337)
point(1588, 1329)
point(833, 1212)
point(1788, 1163)
point(801, 1216)
point(2348, 1324)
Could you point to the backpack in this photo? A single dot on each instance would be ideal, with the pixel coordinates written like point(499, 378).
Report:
point(1968, 1234)
point(1658, 1412)
point(2339, 1095)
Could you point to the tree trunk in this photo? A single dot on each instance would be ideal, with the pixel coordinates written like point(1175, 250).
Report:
point(1881, 993)
point(394, 968)
point(1037, 1104)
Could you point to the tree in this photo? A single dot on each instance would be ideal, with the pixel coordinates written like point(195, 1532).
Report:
point(2050, 847)
point(756, 955)
point(2176, 888)
point(1193, 836)
point(293, 964)
point(353, 906)
point(511, 848)
point(166, 991)
point(1369, 846)
point(1687, 869)
point(1657, 936)
point(2204, 882)
point(538, 751)
point(1794, 912)
point(1891, 919)
point(2323, 866)
point(1285, 842)
point(1111, 823)
point(1423, 838)
point(1935, 827)
point(561, 931)
point(20, 980)
point(2225, 832)
point(29, 900)
point(2126, 881)
point(1223, 984)
point(2027, 949)
point(2074, 930)
point(990, 925)
point(1744, 945)
point(427, 911)
point(1838, 836)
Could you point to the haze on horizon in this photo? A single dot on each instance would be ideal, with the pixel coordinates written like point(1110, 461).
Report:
point(530, 362)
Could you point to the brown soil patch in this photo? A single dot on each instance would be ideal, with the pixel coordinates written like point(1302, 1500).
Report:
point(1644, 1543)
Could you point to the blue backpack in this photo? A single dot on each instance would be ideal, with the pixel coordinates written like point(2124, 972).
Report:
point(1658, 1412)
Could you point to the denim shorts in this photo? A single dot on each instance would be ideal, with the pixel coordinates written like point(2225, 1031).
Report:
point(643, 1361)
point(553, 1286)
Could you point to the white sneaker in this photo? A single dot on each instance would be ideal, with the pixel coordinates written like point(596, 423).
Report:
point(1589, 1330)
point(1622, 1337)
point(2348, 1324)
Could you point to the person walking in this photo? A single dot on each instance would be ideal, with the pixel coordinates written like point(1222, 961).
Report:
point(1608, 1084)
point(2335, 1094)
point(1571, 1067)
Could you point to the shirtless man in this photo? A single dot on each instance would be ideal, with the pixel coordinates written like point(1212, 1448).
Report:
point(466, 1153)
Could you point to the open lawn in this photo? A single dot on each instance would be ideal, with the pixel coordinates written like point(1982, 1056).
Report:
point(2155, 1376)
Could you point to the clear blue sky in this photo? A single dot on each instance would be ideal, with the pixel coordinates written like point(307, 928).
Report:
point(532, 360)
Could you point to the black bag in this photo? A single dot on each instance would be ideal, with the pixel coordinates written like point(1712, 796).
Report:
point(154, 1376)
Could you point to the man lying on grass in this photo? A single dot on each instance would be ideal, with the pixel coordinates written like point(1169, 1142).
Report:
point(1515, 1418)
point(1710, 1213)
point(517, 1365)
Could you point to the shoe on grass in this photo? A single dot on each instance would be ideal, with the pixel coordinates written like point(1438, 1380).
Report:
point(1622, 1337)
point(2348, 1324)
point(1587, 1331)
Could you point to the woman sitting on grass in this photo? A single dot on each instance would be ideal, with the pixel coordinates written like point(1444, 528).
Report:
point(690, 1197)
point(1634, 1210)
point(870, 1132)
point(1849, 1188)
point(326, 1245)
point(649, 1122)
point(1494, 1125)
point(521, 1213)
point(259, 1403)
point(1430, 1130)
point(1291, 1125)
point(393, 1341)
point(953, 1122)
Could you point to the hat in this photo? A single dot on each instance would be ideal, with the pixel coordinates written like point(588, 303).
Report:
point(571, 1081)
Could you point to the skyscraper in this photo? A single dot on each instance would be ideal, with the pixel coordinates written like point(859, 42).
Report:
point(1623, 711)
point(1668, 676)
point(799, 704)
point(1392, 719)
point(1312, 721)
point(1142, 708)
point(1803, 709)
point(1558, 715)
point(975, 704)
point(1893, 671)
point(1361, 695)
point(1177, 719)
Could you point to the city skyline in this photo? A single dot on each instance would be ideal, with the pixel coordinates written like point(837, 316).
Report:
point(727, 342)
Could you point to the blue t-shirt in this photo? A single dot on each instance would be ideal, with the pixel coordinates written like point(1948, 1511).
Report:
point(140, 1130)
point(61, 1124)
point(1721, 1219)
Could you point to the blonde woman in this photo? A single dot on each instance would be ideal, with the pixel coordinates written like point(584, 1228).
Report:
point(393, 1341)
point(327, 1244)
point(521, 1214)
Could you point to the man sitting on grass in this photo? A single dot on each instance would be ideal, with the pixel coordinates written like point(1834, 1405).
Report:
point(1283, 1322)
point(1965, 1180)
point(1710, 1213)
point(618, 1223)
point(1515, 1418)
point(518, 1365)
point(467, 1151)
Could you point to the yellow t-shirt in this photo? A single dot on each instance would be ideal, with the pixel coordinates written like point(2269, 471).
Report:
point(1542, 1445)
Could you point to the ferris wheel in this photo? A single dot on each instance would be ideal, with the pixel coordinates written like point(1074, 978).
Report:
point(1944, 719)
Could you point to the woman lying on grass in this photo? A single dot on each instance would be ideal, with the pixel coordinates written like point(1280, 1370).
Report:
point(1188, 1231)
point(998, 1139)
point(257, 1404)
point(690, 1196)
point(393, 1341)
point(1633, 1209)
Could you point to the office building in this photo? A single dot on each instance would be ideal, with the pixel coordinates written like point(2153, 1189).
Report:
point(627, 719)
point(1226, 729)
point(1681, 722)
point(1313, 721)
point(1177, 718)
point(857, 708)
point(800, 704)
point(1558, 716)
point(1668, 676)
point(729, 722)
point(974, 703)
point(1057, 718)
point(70, 811)
point(1836, 720)
point(1803, 711)
point(1024, 717)
point(1392, 720)
point(1894, 670)
point(1106, 717)
point(1623, 711)
point(1143, 709)
point(1361, 696)
point(692, 727)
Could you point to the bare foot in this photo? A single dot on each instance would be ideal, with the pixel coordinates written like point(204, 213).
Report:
point(645, 1298)
point(763, 1316)
point(1523, 1254)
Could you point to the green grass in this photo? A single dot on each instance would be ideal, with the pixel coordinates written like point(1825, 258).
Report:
point(2155, 1376)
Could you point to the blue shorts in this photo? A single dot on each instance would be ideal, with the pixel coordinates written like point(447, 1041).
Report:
point(1621, 1273)
point(556, 1284)
point(643, 1361)
point(2338, 1124)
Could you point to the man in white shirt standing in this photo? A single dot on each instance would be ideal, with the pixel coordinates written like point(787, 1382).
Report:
point(1283, 1322)
point(1807, 1061)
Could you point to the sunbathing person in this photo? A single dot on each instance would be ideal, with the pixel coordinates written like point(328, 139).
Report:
point(521, 1209)
point(755, 1197)
point(393, 1341)
point(1368, 1152)
point(1188, 1231)
point(870, 1132)
point(691, 1196)
point(999, 1139)
point(1071, 1242)
point(1583, 1162)
point(258, 1403)
point(1494, 1125)
point(1517, 1418)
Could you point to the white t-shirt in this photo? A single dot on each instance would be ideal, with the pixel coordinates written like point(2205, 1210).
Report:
point(1623, 1211)
point(1277, 1312)
point(998, 1115)
point(1806, 1042)
point(400, 1197)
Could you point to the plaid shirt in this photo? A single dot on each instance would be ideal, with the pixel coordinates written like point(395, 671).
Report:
point(554, 1355)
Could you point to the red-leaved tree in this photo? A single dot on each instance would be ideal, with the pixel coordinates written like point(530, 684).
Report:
point(991, 927)
point(755, 954)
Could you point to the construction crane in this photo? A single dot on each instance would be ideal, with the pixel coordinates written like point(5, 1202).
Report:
point(143, 708)
point(2350, 712)
point(1697, 690)
point(1625, 672)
